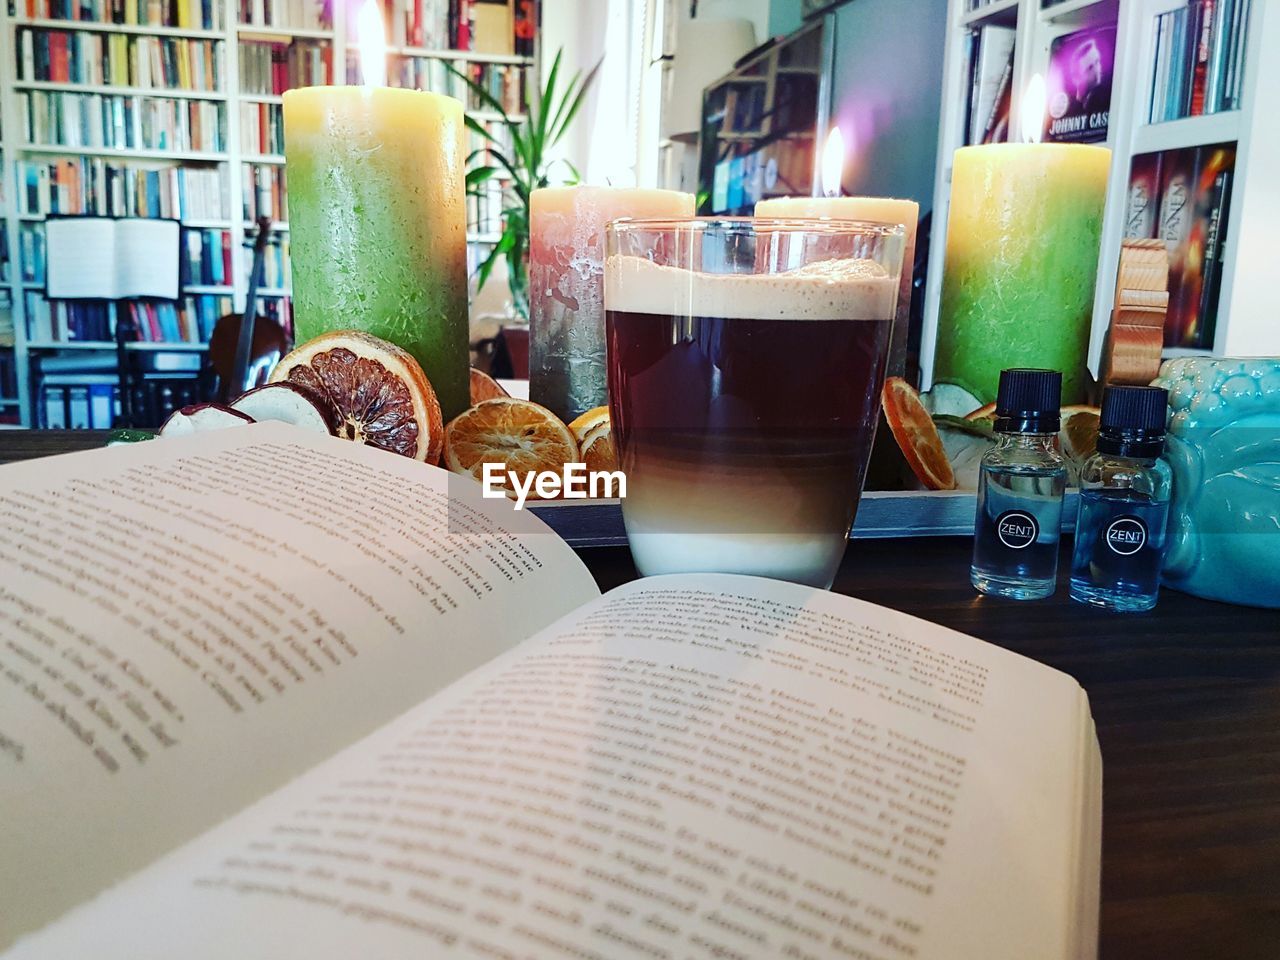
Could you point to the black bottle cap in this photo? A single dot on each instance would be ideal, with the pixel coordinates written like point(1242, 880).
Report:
point(1028, 401)
point(1133, 421)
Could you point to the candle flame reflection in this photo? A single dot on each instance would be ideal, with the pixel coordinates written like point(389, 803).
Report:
point(832, 163)
point(1033, 106)
point(373, 44)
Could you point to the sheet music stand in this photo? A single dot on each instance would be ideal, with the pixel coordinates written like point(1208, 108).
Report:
point(91, 259)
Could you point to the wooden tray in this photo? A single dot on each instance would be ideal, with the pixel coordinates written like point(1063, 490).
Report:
point(944, 513)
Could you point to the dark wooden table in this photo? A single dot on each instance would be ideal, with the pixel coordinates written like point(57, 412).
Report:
point(1187, 703)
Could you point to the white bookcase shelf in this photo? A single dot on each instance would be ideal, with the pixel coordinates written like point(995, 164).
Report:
point(1246, 324)
point(231, 161)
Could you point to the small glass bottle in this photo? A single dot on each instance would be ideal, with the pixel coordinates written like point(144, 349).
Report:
point(1020, 487)
point(1124, 503)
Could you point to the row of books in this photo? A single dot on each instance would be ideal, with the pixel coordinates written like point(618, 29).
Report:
point(205, 258)
point(989, 53)
point(187, 14)
point(261, 128)
point(268, 182)
point(1183, 197)
point(268, 68)
point(300, 14)
point(189, 320)
point(503, 82)
point(83, 406)
point(122, 122)
point(1200, 54)
point(276, 274)
point(104, 187)
point(484, 26)
point(121, 60)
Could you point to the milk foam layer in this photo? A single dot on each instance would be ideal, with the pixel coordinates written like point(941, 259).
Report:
point(845, 289)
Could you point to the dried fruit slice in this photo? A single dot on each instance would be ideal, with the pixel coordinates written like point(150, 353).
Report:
point(484, 387)
point(292, 403)
point(382, 396)
point(597, 448)
point(200, 418)
point(519, 434)
point(916, 434)
point(985, 412)
point(1078, 436)
point(583, 424)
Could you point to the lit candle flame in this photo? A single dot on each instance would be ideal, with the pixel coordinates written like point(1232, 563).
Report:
point(373, 44)
point(1033, 105)
point(832, 163)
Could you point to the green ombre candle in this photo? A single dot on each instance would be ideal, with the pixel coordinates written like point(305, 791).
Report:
point(377, 214)
point(1023, 235)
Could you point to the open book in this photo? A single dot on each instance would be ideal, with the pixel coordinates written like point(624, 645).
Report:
point(94, 258)
point(265, 694)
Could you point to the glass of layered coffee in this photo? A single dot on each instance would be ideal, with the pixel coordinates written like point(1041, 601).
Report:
point(746, 358)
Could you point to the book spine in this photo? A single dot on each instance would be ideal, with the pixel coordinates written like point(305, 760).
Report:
point(1214, 244)
point(1202, 41)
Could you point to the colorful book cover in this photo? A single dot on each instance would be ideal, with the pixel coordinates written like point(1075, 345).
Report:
point(1143, 202)
point(1078, 84)
point(1193, 224)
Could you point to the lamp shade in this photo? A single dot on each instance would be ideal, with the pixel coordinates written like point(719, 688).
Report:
point(705, 51)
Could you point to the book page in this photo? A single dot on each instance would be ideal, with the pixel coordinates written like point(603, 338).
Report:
point(186, 624)
point(690, 767)
point(147, 258)
point(81, 262)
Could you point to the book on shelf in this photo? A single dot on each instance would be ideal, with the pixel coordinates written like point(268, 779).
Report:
point(270, 68)
point(56, 118)
point(1194, 191)
point(299, 14)
point(206, 258)
point(184, 14)
point(261, 128)
point(1200, 59)
point(268, 181)
point(526, 27)
point(493, 24)
point(117, 59)
point(991, 58)
point(333, 702)
point(1078, 85)
point(105, 187)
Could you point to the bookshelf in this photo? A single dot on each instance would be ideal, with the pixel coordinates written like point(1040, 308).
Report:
point(214, 69)
point(1245, 322)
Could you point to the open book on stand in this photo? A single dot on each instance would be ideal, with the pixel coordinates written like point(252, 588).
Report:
point(268, 694)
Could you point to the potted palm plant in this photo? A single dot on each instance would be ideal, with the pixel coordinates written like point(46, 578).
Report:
point(522, 158)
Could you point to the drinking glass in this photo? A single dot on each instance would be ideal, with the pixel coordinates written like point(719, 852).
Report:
point(746, 358)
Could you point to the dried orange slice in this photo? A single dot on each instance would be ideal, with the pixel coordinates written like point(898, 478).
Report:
point(916, 434)
point(1079, 432)
point(383, 397)
point(484, 387)
point(521, 435)
point(582, 425)
point(597, 448)
point(985, 412)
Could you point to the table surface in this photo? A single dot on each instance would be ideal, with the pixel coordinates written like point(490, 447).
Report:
point(1187, 703)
